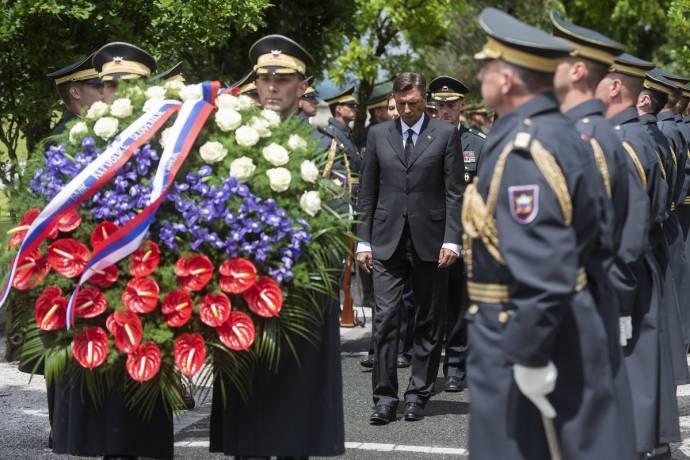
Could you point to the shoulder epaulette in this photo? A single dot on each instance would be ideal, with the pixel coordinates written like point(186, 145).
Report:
point(477, 133)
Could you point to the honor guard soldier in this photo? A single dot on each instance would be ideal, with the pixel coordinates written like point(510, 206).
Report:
point(174, 73)
point(431, 107)
point(121, 61)
point(540, 385)
point(646, 356)
point(79, 86)
point(309, 102)
point(343, 107)
point(247, 86)
point(479, 118)
point(377, 106)
point(448, 94)
point(310, 421)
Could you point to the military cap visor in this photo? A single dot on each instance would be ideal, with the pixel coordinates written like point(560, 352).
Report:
point(344, 97)
point(81, 71)
point(277, 54)
point(379, 95)
point(517, 43)
point(174, 73)
point(446, 88)
point(123, 61)
point(656, 81)
point(630, 65)
point(676, 79)
point(311, 93)
point(588, 43)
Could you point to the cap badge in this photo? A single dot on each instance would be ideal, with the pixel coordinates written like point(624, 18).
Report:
point(276, 53)
point(118, 59)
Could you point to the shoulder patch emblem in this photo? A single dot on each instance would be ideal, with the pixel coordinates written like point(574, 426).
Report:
point(524, 202)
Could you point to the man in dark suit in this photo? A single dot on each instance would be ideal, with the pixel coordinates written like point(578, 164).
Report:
point(409, 206)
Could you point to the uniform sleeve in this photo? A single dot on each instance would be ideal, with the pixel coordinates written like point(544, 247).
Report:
point(541, 253)
point(454, 171)
point(369, 189)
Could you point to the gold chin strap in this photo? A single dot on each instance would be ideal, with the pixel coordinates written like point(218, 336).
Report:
point(638, 164)
point(601, 164)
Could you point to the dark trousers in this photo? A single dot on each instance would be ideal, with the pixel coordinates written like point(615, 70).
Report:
point(429, 285)
point(407, 311)
point(456, 324)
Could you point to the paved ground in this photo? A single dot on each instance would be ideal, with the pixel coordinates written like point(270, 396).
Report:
point(441, 435)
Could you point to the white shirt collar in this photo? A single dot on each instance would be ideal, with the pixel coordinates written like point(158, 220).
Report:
point(417, 127)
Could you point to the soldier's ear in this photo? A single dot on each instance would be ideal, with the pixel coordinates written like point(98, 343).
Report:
point(303, 85)
point(74, 92)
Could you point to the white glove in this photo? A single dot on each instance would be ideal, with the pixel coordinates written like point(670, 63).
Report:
point(535, 383)
point(626, 329)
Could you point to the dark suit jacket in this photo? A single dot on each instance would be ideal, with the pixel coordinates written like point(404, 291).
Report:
point(426, 192)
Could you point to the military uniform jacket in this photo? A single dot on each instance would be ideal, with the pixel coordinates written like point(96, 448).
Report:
point(668, 166)
point(471, 142)
point(343, 136)
point(684, 126)
point(667, 125)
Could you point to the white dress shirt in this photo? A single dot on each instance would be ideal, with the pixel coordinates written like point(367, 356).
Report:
point(365, 246)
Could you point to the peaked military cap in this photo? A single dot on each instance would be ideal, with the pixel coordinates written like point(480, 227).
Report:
point(676, 79)
point(246, 85)
point(520, 44)
point(628, 64)
point(277, 54)
point(430, 103)
point(478, 109)
point(81, 71)
point(123, 61)
point(686, 90)
point(311, 92)
point(588, 43)
point(379, 95)
point(174, 73)
point(446, 88)
point(346, 96)
point(656, 80)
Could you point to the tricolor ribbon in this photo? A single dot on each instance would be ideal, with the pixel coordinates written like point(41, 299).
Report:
point(96, 175)
point(128, 238)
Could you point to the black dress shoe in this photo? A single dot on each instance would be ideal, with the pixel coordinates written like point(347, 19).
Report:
point(368, 362)
point(662, 452)
point(383, 415)
point(403, 361)
point(454, 384)
point(414, 412)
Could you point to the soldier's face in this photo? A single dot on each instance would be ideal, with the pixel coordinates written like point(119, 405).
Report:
point(450, 111)
point(309, 106)
point(109, 90)
point(281, 92)
point(494, 83)
point(411, 105)
point(380, 114)
point(392, 109)
point(88, 94)
point(347, 112)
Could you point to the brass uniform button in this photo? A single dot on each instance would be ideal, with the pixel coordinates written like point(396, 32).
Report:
point(503, 317)
point(474, 309)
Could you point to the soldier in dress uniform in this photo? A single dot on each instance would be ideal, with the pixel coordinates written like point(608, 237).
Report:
point(309, 102)
point(247, 86)
point(479, 118)
point(111, 429)
point(646, 355)
point(298, 410)
point(449, 93)
point(608, 269)
point(343, 107)
point(174, 73)
point(377, 106)
point(530, 223)
point(431, 107)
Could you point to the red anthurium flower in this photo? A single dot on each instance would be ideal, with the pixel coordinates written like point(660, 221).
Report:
point(101, 232)
point(265, 297)
point(69, 221)
point(238, 332)
point(144, 363)
point(90, 302)
point(19, 232)
point(237, 275)
point(90, 347)
point(125, 327)
point(31, 270)
point(145, 260)
point(214, 309)
point(190, 352)
point(105, 277)
point(68, 257)
point(235, 90)
point(177, 308)
point(141, 295)
point(50, 309)
point(193, 272)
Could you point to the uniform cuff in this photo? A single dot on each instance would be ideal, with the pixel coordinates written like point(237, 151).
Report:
point(453, 247)
point(363, 246)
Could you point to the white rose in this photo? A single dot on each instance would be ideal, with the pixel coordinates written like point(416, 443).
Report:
point(155, 92)
point(242, 168)
point(279, 179)
point(105, 127)
point(191, 92)
point(77, 132)
point(309, 171)
point(227, 101)
point(246, 136)
point(150, 104)
point(174, 88)
point(213, 152)
point(271, 117)
point(310, 202)
point(97, 110)
point(228, 119)
point(245, 102)
point(296, 142)
point(261, 126)
point(165, 136)
point(276, 154)
point(121, 108)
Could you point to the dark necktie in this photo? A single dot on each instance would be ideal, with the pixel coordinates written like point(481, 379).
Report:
point(409, 146)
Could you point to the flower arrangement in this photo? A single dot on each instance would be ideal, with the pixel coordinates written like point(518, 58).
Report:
point(234, 267)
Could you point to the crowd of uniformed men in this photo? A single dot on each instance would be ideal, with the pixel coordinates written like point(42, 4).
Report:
point(548, 254)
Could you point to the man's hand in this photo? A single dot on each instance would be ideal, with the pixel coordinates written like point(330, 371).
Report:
point(365, 260)
point(536, 383)
point(446, 258)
